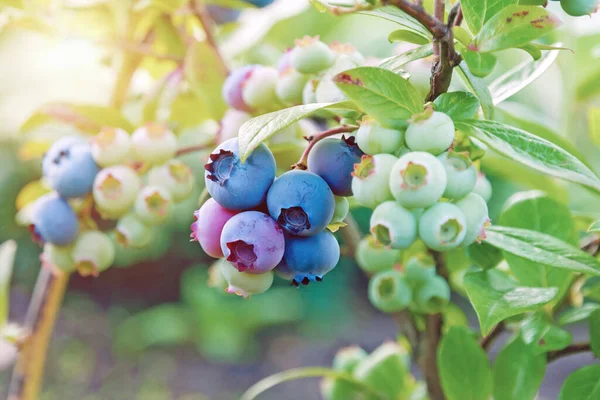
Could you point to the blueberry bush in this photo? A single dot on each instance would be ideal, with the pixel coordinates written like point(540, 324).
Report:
point(272, 153)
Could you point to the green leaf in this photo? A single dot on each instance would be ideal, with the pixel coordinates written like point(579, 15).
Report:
point(387, 97)
point(530, 150)
point(480, 64)
point(477, 12)
point(479, 88)
point(464, 368)
point(396, 63)
point(595, 332)
point(301, 373)
point(8, 251)
point(583, 384)
point(594, 124)
point(496, 301)
point(398, 16)
point(539, 212)
point(514, 26)
point(534, 51)
point(458, 105)
point(589, 87)
point(484, 255)
point(518, 371)
point(87, 118)
point(206, 75)
point(577, 314)
point(542, 248)
point(594, 227)
point(260, 128)
point(405, 35)
point(543, 335)
point(519, 77)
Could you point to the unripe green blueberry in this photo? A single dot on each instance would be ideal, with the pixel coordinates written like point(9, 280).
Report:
point(476, 213)
point(92, 253)
point(58, 257)
point(460, 172)
point(327, 90)
point(346, 50)
point(372, 256)
point(245, 284)
point(309, 93)
point(153, 143)
point(372, 138)
point(111, 147)
point(418, 180)
point(153, 204)
point(347, 358)
point(483, 187)
point(290, 86)
point(578, 8)
point(311, 55)
point(393, 225)
point(215, 276)
point(431, 131)
point(115, 190)
point(342, 207)
point(389, 292)
point(370, 182)
point(433, 296)
point(443, 227)
point(417, 271)
point(175, 176)
point(258, 91)
point(132, 232)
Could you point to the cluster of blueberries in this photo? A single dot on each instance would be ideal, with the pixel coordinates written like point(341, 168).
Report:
point(106, 170)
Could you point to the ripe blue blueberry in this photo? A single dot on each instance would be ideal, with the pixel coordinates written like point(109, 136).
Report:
point(418, 180)
point(443, 227)
point(311, 257)
point(236, 185)
point(431, 131)
point(301, 202)
point(460, 172)
point(260, 3)
point(372, 138)
point(253, 242)
point(393, 225)
point(476, 211)
point(53, 221)
point(371, 177)
point(333, 160)
point(70, 168)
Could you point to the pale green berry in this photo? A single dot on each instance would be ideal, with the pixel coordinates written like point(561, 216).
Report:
point(290, 86)
point(111, 147)
point(311, 55)
point(153, 204)
point(174, 176)
point(418, 180)
point(309, 95)
point(460, 172)
point(346, 50)
point(132, 232)
point(115, 190)
point(433, 296)
point(243, 283)
point(327, 90)
point(347, 358)
point(476, 212)
point(370, 182)
point(393, 225)
point(258, 91)
point(389, 292)
point(215, 276)
point(92, 253)
point(443, 227)
point(431, 131)
point(483, 187)
point(153, 143)
point(372, 138)
point(58, 257)
point(418, 271)
point(372, 256)
point(341, 210)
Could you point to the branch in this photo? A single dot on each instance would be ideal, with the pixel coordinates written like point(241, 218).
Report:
point(200, 12)
point(567, 351)
point(437, 28)
point(312, 140)
point(191, 149)
point(487, 341)
point(41, 316)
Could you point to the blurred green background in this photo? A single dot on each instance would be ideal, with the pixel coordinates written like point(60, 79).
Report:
point(151, 328)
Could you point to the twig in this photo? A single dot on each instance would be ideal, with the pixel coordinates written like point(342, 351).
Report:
point(191, 149)
point(437, 28)
point(408, 326)
point(459, 17)
point(199, 10)
point(41, 316)
point(312, 140)
point(567, 351)
point(487, 341)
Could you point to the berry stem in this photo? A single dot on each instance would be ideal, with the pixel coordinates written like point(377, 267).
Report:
point(312, 140)
point(199, 10)
point(41, 316)
point(191, 149)
point(569, 350)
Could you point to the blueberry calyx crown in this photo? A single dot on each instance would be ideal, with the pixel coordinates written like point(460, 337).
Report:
point(35, 235)
point(241, 255)
point(220, 166)
point(305, 281)
point(293, 219)
point(352, 145)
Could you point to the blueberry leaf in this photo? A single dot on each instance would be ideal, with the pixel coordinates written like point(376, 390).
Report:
point(594, 227)
point(532, 151)
point(540, 331)
point(398, 16)
point(583, 384)
point(542, 248)
point(406, 35)
point(458, 105)
point(496, 299)
point(396, 63)
point(479, 88)
point(594, 124)
point(477, 12)
point(386, 96)
point(480, 64)
point(595, 332)
point(577, 314)
point(464, 369)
